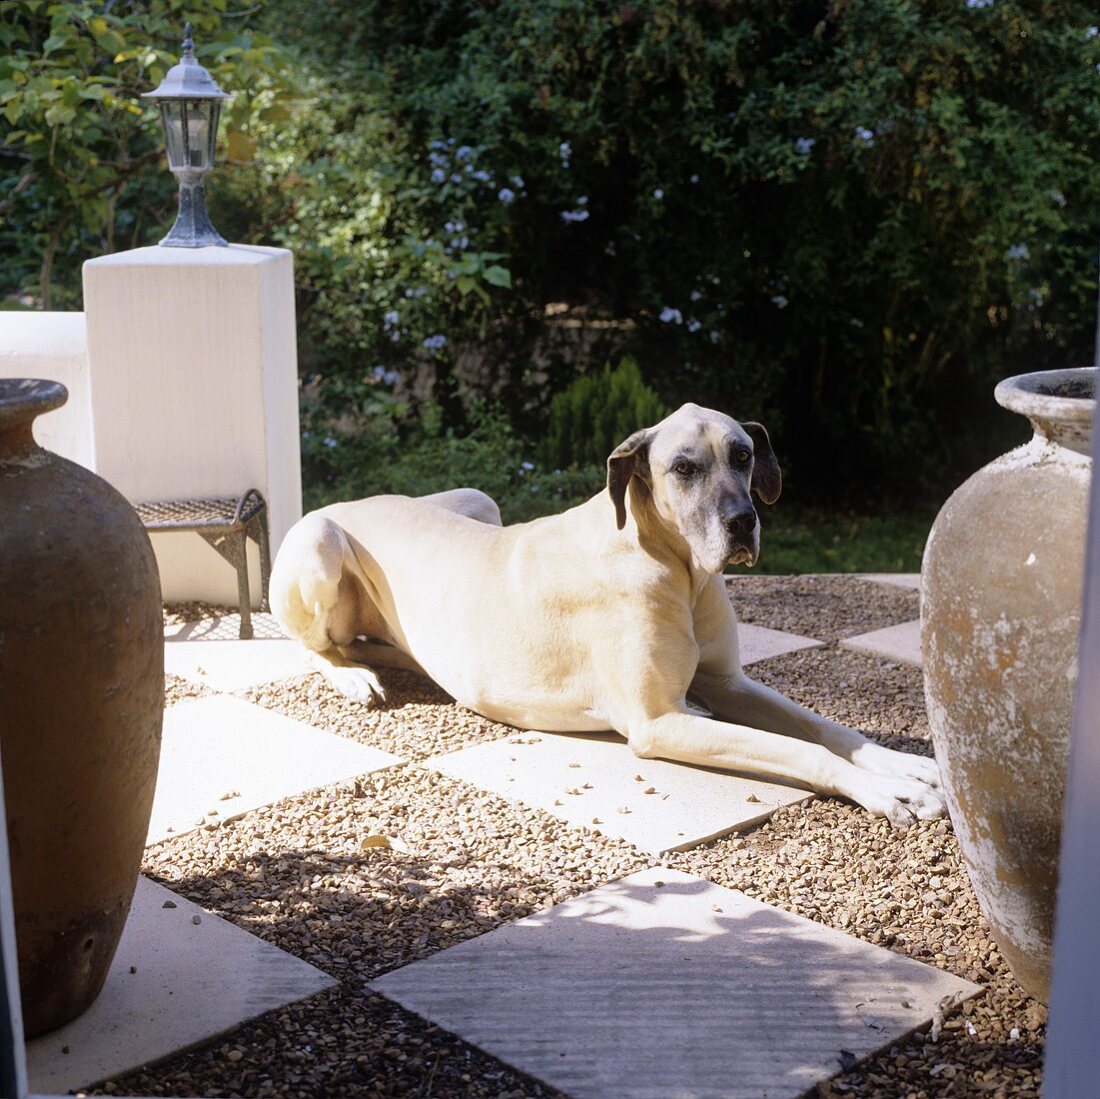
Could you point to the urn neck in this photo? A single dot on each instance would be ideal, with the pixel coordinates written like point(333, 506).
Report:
point(21, 401)
point(1060, 404)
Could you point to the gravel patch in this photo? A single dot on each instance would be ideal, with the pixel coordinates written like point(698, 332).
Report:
point(828, 608)
point(363, 877)
point(881, 699)
point(177, 689)
point(416, 721)
point(177, 614)
point(304, 875)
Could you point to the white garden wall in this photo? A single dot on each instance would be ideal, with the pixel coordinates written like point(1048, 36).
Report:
point(182, 378)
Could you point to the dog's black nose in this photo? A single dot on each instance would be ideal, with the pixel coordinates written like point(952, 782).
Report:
point(741, 523)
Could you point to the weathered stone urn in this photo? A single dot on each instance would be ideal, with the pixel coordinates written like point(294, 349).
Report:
point(1001, 588)
point(81, 701)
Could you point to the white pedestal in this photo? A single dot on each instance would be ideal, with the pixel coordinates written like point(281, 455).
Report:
point(194, 392)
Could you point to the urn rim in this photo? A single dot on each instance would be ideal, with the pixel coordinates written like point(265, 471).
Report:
point(1061, 396)
point(22, 399)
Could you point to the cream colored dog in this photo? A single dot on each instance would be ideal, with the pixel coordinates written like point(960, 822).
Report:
point(609, 616)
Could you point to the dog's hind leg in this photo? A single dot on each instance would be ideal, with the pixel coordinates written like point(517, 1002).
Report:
point(320, 595)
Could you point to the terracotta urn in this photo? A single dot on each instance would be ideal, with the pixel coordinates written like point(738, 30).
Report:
point(1001, 588)
point(81, 702)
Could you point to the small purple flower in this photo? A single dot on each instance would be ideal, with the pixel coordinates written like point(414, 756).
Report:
point(658, 194)
point(390, 319)
point(574, 215)
point(864, 136)
point(669, 315)
point(438, 175)
point(1018, 252)
point(517, 182)
point(804, 144)
point(779, 301)
point(464, 153)
point(506, 195)
point(434, 343)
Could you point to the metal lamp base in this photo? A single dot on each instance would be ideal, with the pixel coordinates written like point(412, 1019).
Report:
point(192, 228)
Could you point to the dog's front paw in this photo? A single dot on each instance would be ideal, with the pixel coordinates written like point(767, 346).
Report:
point(885, 761)
point(358, 684)
point(902, 801)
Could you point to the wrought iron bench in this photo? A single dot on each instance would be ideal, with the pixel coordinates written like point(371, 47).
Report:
point(226, 523)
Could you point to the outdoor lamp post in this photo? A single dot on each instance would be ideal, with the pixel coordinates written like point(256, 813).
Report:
point(190, 103)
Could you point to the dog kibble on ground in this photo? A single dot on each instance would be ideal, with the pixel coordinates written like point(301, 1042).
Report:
point(445, 863)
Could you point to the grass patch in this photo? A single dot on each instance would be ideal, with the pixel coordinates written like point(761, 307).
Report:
point(797, 539)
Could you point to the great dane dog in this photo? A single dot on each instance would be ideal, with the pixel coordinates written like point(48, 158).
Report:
point(610, 616)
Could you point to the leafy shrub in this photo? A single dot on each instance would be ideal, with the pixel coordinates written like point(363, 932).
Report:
point(596, 412)
point(417, 455)
point(82, 171)
point(845, 220)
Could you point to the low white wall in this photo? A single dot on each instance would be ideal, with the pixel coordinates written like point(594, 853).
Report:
point(53, 346)
point(183, 382)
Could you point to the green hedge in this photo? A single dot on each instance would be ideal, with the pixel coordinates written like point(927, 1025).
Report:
point(846, 220)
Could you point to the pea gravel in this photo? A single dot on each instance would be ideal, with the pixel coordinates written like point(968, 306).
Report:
point(308, 875)
point(825, 607)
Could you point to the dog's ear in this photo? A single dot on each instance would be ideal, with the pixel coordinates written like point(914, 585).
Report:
point(630, 457)
point(767, 481)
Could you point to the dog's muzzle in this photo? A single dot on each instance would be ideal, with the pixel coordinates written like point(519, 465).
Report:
point(744, 543)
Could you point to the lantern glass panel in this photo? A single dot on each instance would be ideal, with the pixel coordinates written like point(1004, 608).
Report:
point(190, 128)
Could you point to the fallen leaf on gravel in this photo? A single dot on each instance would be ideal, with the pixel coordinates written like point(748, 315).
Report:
point(367, 842)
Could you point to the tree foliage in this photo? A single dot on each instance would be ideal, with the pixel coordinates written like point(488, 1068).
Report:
point(844, 219)
point(81, 161)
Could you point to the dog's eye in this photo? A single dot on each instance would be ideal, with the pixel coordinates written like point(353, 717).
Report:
point(741, 457)
point(685, 468)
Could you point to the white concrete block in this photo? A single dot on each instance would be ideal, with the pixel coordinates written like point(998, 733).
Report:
point(194, 387)
point(595, 781)
point(908, 580)
point(191, 981)
point(761, 643)
point(898, 643)
point(221, 757)
point(235, 665)
point(53, 346)
point(663, 984)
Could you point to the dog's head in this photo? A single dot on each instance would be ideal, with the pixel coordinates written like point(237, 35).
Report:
point(695, 470)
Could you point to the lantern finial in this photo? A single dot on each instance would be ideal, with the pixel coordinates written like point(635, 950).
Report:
point(188, 44)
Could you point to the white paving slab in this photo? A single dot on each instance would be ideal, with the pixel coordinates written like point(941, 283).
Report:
point(646, 991)
point(173, 983)
point(221, 757)
point(762, 643)
point(226, 627)
point(909, 580)
point(898, 643)
point(235, 665)
point(596, 781)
